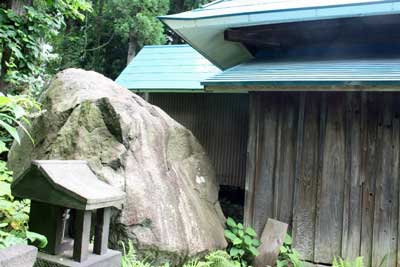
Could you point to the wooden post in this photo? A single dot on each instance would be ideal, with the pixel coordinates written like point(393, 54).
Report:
point(51, 228)
point(252, 158)
point(82, 235)
point(272, 239)
point(102, 230)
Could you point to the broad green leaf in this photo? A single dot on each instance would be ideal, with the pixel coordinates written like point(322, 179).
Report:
point(37, 238)
point(234, 252)
point(5, 189)
point(282, 263)
point(19, 112)
point(231, 223)
point(247, 240)
point(240, 233)
point(5, 205)
point(4, 100)
point(288, 240)
point(11, 130)
point(237, 241)
point(3, 147)
point(256, 243)
point(251, 232)
point(253, 251)
point(231, 236)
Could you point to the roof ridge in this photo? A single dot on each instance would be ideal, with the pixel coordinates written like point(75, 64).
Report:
point(165, 46)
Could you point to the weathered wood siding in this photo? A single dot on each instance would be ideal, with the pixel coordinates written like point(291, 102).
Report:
point(328, 164)
point(220, 123)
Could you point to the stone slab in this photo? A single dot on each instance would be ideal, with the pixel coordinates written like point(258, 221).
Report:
point(18, 256)
point(111, 259)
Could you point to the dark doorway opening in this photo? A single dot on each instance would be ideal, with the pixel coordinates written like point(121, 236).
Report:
point(231, 199)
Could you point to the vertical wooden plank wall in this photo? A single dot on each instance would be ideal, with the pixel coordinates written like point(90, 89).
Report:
point(327, 163)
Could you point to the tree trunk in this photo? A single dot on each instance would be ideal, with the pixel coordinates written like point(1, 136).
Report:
point(98, 24)
point(18, 6)
point(131, 48)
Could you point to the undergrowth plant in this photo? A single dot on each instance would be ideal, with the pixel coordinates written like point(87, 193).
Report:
point(14, 216)
point(289, 257)
point(243, 243)
point(217, 258)
point(358, 262)
point(130, 259)
point(340, 262)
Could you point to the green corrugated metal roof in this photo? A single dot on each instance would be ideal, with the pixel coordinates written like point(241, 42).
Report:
point(276, 10)
point(167, 68)
point(204, 28)
point(351, 72)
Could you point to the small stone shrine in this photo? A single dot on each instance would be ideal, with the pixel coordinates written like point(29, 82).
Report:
point(64, 195)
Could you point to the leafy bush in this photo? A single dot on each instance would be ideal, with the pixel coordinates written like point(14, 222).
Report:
point(14, 213)
point(25, 39)
point(288, 257)
point(220, 258)
point(243, 245)
point(129, 257)
point(339, 262)
point(217, 258)
point(14, 111)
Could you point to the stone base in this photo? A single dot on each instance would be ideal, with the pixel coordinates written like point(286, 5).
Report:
point(18, 256)
point(111, 259)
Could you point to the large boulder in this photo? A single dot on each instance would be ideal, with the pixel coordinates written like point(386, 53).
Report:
point(172, 210)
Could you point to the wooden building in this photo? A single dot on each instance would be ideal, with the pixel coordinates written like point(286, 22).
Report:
point(169, 77)
point(324, 118)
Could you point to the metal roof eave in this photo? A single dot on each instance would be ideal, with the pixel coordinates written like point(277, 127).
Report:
point(167, 90)
point(304, 86)
point(180, 91)
point(206, 33)
point(337, 11)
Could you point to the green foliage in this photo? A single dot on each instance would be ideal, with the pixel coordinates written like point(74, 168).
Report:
point(243, 244)
point(25, 40)
point(139, 18)
point(14, 110)
point(288, 257)
point(217, 258)
point(129, 258)
point(358, 262)
point(339, 262)
point(14, 215)
point(100, 42)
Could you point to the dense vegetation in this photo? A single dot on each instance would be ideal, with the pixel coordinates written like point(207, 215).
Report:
point(41, 37)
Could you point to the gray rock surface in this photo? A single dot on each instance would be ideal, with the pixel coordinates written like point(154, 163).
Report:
point(172, 210)
point(18, 256)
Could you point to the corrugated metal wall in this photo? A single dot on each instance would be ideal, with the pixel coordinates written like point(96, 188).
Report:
point(220, 123)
